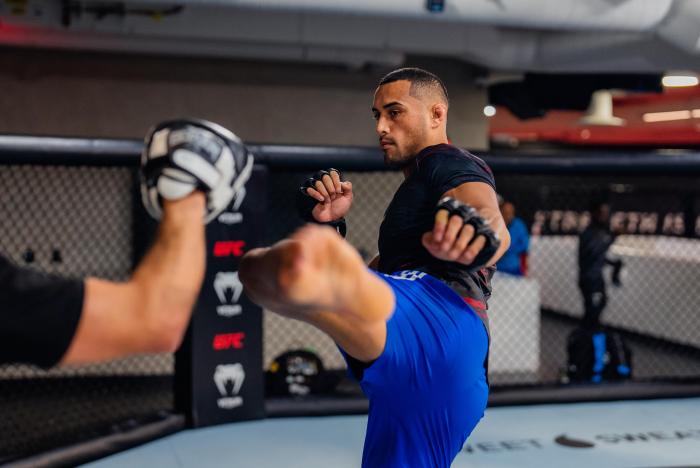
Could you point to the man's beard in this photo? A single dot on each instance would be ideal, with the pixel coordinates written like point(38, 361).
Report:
point(392, 164)
point(400, 163)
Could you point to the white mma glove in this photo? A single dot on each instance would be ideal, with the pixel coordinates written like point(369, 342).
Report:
point(181, 156)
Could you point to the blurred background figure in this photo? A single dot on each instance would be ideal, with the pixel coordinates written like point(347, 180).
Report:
point(514, 261)
point(594, 243)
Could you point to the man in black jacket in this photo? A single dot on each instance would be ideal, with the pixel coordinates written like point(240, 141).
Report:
point(593, 246)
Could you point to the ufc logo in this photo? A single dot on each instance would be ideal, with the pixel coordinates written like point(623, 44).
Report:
point(228, 248)
point(229, 340)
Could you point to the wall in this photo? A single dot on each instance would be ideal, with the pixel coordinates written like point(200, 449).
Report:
point(101, 95)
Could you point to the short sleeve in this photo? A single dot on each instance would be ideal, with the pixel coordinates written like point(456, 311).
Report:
point(447, 170)
point(39, 315)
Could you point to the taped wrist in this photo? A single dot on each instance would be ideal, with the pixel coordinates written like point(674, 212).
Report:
point(339, 225)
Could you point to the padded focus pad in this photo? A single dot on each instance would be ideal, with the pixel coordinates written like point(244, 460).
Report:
point(181, 156)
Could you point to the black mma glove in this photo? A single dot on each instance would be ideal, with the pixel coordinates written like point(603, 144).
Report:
point(306, 203)
point(181, 156)
point(481, 228)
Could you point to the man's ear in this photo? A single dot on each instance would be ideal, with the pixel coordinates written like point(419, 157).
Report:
point(438, 114)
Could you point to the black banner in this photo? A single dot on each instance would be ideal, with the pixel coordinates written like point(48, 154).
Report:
point(640, 205)
point(219, 376)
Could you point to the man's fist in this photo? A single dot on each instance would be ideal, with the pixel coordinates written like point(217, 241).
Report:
point(181, 156)
point(324, 198)
point(460, 235)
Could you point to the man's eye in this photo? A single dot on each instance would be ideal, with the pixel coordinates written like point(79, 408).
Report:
point(394, 113)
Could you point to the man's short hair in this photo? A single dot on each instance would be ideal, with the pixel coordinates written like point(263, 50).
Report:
point(421, 80)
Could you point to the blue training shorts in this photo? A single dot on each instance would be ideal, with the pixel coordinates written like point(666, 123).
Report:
point(428, 389)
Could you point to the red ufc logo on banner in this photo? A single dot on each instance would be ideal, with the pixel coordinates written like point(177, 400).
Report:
point(229, 340)
point(227, 248)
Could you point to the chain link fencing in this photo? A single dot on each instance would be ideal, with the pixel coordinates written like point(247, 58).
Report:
point(78, 221)
point(655, 309)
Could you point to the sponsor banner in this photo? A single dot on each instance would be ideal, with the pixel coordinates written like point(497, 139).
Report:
point(569, 440)
point(219, 369)
point(552, 205)
point(612, 434)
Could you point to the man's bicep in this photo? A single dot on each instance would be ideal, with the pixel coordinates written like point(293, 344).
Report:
point(105, 330)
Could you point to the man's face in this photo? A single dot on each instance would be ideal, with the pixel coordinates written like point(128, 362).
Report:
point(403, 122)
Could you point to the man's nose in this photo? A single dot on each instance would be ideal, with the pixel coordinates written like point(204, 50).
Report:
point(382, 127)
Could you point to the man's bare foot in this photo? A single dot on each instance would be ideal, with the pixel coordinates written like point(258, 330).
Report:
point(314, 270)
point(319, 269)
point(317, 277)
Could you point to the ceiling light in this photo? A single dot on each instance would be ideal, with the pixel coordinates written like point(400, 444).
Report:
point(676, 81)
point(666, 116)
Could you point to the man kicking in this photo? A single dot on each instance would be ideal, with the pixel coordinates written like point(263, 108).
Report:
point(415, 334)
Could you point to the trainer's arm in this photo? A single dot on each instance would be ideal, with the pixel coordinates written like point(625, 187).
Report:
point(150, 312)
point(482, 197)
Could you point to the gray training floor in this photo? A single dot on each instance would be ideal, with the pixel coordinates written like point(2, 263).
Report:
point(659, 433)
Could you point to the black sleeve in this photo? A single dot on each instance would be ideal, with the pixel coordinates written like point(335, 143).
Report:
point(445, 171)
point(39, 315)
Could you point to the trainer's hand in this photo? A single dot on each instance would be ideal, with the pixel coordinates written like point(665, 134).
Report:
point(460, 235)
point(325, 197)
point(182, 156)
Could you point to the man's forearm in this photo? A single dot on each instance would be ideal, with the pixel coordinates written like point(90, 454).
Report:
point(150, 312)
point(482, 197)
point(495, 220)
point(170, 276)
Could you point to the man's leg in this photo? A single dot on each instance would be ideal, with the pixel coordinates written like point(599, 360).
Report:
point(586, 320)
point(317, 277)
point(601, 301)
point(594, 300)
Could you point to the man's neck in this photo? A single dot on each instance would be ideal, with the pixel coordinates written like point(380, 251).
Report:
point(437, 140)
point(408, 170)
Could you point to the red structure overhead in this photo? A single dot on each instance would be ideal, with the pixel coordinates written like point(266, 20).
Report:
point(674, 121)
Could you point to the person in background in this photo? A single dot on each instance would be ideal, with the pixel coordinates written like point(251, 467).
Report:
point(514, 261)
point(593, 246)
